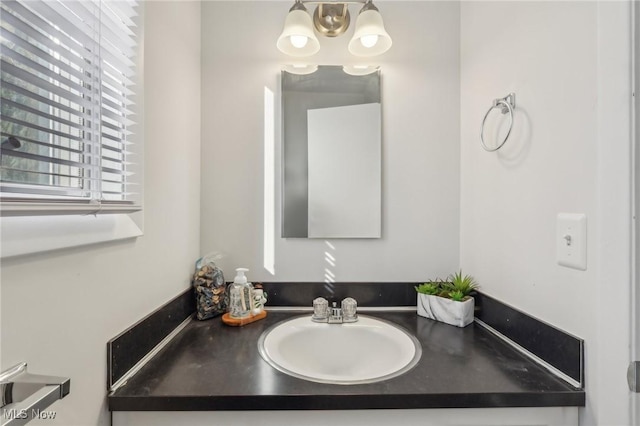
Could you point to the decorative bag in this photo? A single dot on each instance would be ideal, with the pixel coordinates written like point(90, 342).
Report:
point(208, 282)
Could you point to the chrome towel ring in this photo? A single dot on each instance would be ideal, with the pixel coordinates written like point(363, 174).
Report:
point(506, 105)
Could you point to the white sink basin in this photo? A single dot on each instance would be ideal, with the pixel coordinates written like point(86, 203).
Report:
point(366, 351)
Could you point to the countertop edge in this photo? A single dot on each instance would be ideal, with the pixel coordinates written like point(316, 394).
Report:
point(342, 402)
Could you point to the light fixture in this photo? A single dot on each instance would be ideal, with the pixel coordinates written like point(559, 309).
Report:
point(370, 38)
point(298, 38)
point(332, 19)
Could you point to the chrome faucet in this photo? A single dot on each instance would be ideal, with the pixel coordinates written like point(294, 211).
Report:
point(335, 315)
point(347, 312)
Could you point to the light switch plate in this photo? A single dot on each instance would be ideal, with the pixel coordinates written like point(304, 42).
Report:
point(571, 240)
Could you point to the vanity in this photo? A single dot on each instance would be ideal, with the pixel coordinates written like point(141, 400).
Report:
point(207, 372)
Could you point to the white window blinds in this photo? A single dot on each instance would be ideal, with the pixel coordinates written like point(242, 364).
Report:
point(67, 106)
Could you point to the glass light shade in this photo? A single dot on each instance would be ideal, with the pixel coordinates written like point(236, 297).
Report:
point(369, 23)
point(298, 24)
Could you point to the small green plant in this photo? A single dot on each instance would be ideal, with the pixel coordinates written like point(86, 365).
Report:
point(456, 287)
point(464, 284)
point(457, 296)
point(431, 288)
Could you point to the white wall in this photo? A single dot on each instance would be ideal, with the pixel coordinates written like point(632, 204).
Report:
point(420, 154)
point(569, 152)
point(635, 327)
point(59, 309)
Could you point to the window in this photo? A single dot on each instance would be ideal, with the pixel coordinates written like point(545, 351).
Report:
point(68, 72)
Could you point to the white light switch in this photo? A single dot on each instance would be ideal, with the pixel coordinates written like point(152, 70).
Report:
point(571, 240)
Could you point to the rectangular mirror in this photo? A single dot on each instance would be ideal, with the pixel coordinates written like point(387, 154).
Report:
point(332, 154)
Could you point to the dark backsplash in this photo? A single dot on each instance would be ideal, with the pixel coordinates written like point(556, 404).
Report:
point(556, 347)
point(125, 350)
point(366, 294)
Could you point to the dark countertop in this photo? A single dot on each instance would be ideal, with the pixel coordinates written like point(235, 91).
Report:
point(210, 366)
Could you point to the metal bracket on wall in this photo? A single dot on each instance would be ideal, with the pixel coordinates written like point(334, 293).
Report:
point(506, 106)
point(633, 376)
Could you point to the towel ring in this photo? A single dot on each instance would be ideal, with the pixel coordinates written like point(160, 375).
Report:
point(506, 105)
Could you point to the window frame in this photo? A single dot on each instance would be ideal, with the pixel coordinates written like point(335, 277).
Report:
point(25, 204)
point(30, 227)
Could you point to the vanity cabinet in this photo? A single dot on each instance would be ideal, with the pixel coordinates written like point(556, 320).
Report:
point(521, 416)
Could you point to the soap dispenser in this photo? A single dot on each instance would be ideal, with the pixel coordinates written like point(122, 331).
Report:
point(240, 295)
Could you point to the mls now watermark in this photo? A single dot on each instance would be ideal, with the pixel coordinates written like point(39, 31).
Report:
point(12, 413)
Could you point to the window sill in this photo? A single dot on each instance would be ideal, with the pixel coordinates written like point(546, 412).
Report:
point(35, 234)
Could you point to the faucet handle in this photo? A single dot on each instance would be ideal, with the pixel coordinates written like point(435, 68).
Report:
point(349, 310)
point(320, 309)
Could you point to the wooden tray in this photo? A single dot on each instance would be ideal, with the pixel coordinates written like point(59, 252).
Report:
point(238, 322)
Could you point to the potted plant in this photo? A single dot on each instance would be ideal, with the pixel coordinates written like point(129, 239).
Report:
point(449, 300)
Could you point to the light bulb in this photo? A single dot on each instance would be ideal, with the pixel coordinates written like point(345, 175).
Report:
point(369, 40)
point(299, 41)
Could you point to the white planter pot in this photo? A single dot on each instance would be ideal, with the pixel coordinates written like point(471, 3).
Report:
point(446, 310)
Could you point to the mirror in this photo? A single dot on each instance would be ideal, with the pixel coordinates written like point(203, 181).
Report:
point(331, 154)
